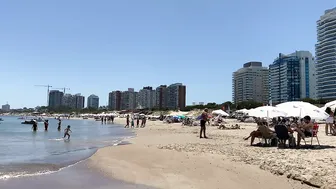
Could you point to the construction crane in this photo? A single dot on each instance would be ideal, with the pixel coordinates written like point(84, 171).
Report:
point(64, 88)
point(48, 90)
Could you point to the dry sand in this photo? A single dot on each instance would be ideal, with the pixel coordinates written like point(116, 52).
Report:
point(172, 156)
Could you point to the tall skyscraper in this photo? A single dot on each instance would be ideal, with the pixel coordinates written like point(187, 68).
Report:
point(326, 55)
point(69, 100)
point(250, 83)
point(55, 98)
point(176, 96)
point(292, 77)
point(161, 96)
point(93, 101)
point(114, 102)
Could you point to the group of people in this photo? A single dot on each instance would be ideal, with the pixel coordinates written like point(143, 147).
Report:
point(104, 119)
point(143, 121)
point(67, 130)
point(284, 129)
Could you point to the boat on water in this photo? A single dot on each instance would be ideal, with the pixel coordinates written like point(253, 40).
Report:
point(28, 122)
point(1, 119)
point(21, 118)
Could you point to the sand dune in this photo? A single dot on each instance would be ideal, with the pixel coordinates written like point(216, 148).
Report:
point(172, 156)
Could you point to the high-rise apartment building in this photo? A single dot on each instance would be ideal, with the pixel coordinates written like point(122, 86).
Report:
point(73, 101)
point(55, 98)
point(5, 108)
point(250, 83)
point(146, 98)
point(326, 55)
point(292, 77)
point(128, 99)
point(93, 101)
point(80, 101)
point(114, 102)
point(161, 97)
point(176, 96)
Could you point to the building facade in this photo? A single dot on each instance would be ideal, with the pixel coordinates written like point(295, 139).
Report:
point(55, 98)
point(128, 99)
point(293, 77)
point(161, 97)
point(146, 98)
point(5, 108)
point(80, 101)
point(93, 101)
point(114, 102)
point(326, 55)
point(176, 96)
point(251, 83)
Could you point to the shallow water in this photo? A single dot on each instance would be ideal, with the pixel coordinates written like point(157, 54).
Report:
point(24, 152)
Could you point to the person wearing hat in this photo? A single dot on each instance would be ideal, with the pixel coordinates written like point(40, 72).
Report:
point(204, 119)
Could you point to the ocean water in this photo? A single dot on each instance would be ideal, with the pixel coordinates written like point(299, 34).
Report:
point(24, 152)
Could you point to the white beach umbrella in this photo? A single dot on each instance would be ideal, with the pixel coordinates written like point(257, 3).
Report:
point(267, 112)
point(301, 109)
point(220, 112)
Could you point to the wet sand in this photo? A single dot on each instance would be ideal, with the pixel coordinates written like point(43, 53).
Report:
point(172, 156)
point(79, 176)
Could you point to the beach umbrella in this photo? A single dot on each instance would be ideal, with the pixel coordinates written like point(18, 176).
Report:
point(220, 112)
point(301, 109)
point(267, 112)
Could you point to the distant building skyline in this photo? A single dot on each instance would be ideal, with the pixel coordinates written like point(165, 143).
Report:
point(55, 98)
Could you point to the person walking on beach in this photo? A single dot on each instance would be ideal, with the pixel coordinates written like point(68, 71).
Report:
point(59, 124)
point(112, 118)
point(204, 119)
point(127, 121)
point(138, 121)
point(46, 124)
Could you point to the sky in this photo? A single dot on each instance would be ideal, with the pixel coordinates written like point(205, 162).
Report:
point(94, 47)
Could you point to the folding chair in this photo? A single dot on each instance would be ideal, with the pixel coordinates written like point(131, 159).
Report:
point(314, 134)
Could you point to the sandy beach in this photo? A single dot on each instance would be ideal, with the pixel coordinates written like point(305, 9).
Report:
point(173, 156)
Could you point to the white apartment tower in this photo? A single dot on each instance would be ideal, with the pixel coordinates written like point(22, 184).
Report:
point(326, 55)
point(250, 83)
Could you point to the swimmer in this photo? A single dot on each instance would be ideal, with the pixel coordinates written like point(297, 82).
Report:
point(67, 131)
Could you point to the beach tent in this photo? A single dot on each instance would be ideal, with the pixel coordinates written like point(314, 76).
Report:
point(220, 112)
point(267, 112)
point(301, 109)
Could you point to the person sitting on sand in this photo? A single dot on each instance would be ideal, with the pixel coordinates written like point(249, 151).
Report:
point(305, 129)
point(258, 133)
point(67, 132)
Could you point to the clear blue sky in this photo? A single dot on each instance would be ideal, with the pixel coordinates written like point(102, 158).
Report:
point(94, 47)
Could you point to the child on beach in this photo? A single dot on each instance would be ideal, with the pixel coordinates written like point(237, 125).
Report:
point(67, 131)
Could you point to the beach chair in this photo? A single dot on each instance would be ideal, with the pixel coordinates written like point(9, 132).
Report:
point(314, 135)
point(282, 134)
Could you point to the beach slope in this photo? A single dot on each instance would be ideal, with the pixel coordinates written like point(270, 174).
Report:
point(152, 160)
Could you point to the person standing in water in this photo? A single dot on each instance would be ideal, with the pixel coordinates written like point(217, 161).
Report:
point(59, 124)
point(46, 124)
point(204, 119)
point(127, 121)
point(67, 132)
point(34, 126)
